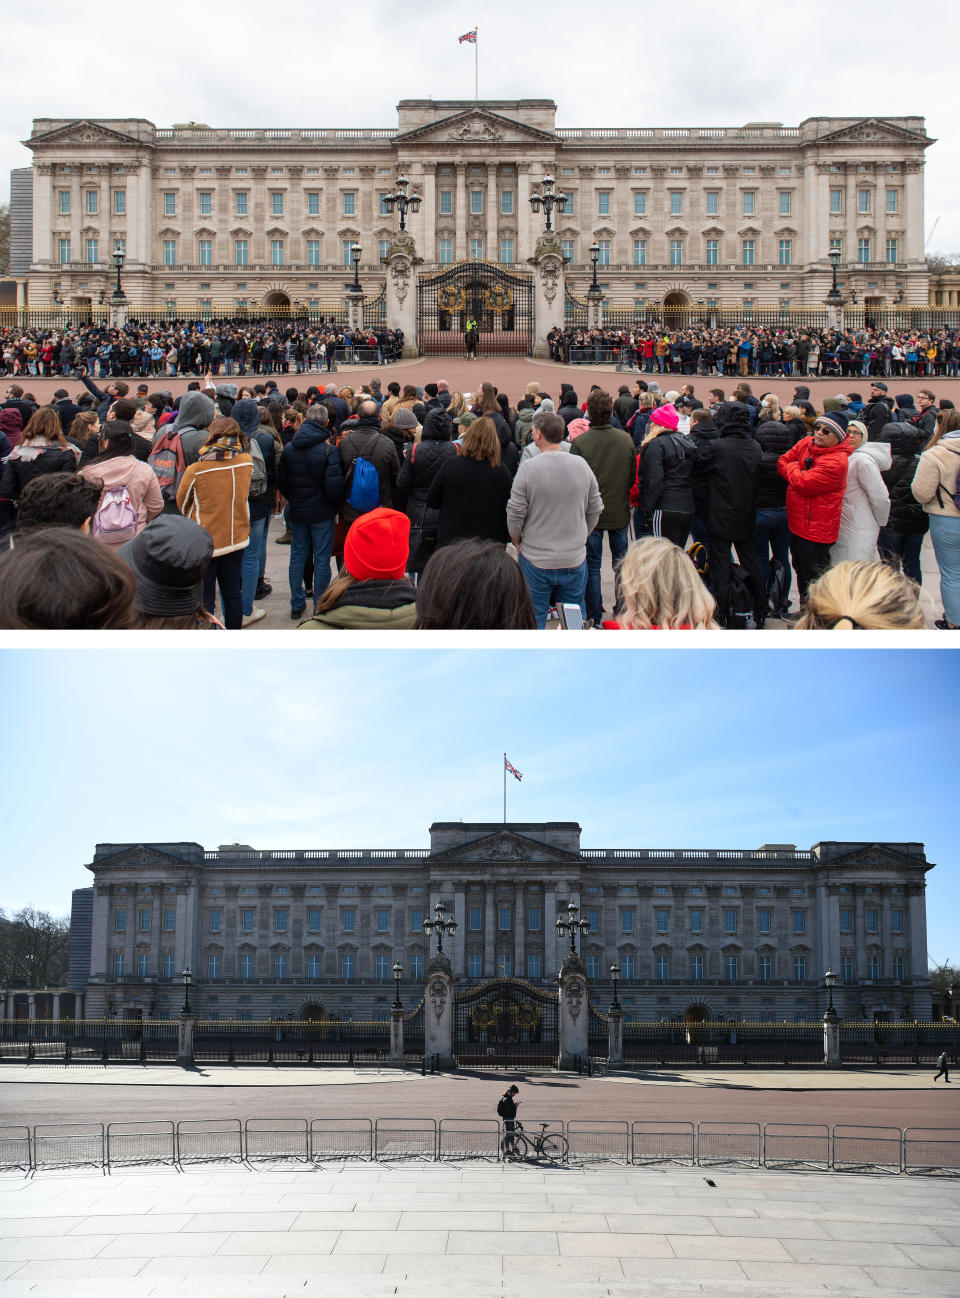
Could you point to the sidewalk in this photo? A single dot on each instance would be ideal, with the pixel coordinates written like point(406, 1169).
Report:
point(446, 1229)
point(267, 1075)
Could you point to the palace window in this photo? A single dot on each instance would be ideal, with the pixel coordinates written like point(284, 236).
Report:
point(730, 967)
point(476, 250)
point(313, 252)
point(446, 202)
point(747, 251)
point(676, 202)
point(863, 201)
point(836, 202)
point(604, 258)
point(534, 966)
point(713, 202)
point(676, 252)
point(749, 202)
point(639, 252)
point(506, 251)
point(93, 202)
point(893, 250)
point(276, 252)
point(696, 968)
point(206, 252)
point(349, 920)
point(713, 252)
point(206, 202)
point(799, 968)
point(120, 202)
point(506, 202)
point(476, 202)
point(240, 199)
point(504, 966)
point(640, 202)
point(281, 921)
point(349, 203)
point(313, 203)
point(446, 252)
point(240, 252)
point(785, 199)
point(215, 921)
point(603, 202)
point(534, 919)
point(475, 966)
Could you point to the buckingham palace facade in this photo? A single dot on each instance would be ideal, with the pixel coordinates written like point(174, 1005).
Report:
point(240, 218)
point(292, 934)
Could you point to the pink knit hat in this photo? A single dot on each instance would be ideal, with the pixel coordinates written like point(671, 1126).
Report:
point(576, 427)
point(666, 416)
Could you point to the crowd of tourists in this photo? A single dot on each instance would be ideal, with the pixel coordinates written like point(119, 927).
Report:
point(178, 347)
point(765, 352)
point(409, 507)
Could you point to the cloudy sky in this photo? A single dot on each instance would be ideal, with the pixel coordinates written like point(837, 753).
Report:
point(709, 748)
point(698, 64)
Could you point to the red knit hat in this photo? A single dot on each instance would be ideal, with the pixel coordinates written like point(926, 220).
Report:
point(377, 545)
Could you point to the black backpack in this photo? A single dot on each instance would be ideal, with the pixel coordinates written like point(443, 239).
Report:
point(738, 615)
point(503, 1108)
point(778, 588)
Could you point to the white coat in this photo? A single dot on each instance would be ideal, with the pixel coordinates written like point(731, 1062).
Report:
point(866, 504)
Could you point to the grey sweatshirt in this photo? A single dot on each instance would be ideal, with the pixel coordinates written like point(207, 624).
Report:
point(553, 507)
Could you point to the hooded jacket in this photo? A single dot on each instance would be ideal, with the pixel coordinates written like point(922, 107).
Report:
point(11, 424)
point(816, 477)
point(213, 492)
point(935, 480)
point(731, 465)
point(369, 606)
point(421, 464)
point(664, 472)
point(138, 478)
point(247, 415)
point(310, 475)
point(195, 416)
point(866, 504)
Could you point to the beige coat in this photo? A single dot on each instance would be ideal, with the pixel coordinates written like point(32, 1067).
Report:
point(938, 467)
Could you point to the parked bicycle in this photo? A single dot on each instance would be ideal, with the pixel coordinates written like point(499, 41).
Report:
point(551, 1145)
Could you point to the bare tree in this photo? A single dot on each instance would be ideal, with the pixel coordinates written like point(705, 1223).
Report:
point(34, 949)
point(938, 262)
point(944, 976)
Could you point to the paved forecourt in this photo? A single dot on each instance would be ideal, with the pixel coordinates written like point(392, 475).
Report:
point(413, 1228)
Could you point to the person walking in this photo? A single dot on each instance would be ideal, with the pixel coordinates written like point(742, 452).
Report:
point(943, 1067)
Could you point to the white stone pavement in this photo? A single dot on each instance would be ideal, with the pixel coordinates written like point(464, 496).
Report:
point(448, 1229)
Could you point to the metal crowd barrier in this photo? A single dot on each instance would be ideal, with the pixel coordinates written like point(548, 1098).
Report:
point(591, 356)
point(916, 1151)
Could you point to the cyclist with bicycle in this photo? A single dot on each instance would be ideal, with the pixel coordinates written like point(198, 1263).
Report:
point(507, 1111)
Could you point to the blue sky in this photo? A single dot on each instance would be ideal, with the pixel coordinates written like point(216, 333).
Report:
point(277, 749)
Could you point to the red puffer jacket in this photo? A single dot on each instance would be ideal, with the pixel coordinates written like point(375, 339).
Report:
point(815, 493)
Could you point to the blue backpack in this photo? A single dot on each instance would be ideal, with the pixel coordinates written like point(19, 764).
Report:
point(365, 484)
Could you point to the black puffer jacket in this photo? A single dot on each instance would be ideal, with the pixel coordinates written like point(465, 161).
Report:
point(509, 452)
point(701, 434)
point(26, 463)
point(775, 439)
point(666, 467)
point(420, 466)
point(875, 414)
point(907, 516)
point(732, 465)
point(310, 475)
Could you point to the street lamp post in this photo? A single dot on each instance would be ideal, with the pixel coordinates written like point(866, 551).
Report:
point(397, 975)
point(571, 926)
point(440, 925)
point(187, 977)
point(615, 979)
point(834, 298)
point(118, 259)
point(548, 200)
point(402, 201)
point(594, 259)
point(830, 979)
point(356, 252)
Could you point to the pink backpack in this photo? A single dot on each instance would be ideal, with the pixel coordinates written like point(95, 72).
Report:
point(116, 519)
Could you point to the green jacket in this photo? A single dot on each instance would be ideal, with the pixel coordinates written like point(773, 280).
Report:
point(369, 606)
point(611, 454)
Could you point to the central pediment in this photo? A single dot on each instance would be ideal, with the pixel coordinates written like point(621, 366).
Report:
point(476, 126)
point(506, 848)
point(875, 130)
point(82, 133)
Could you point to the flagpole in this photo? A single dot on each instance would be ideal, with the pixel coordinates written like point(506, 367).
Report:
point(476, 97)
point(504, 788)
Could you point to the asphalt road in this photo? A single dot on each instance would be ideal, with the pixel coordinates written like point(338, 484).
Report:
point(467, 1095)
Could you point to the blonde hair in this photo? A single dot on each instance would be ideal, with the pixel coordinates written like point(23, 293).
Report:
point(792, 412)
point(863, 595)
point(771, 405)
point(948, 421)
point(647, 401)
point(480, 441)
point(457, 406)
point(661, 588)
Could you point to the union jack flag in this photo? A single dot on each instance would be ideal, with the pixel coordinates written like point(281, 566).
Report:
point(470, 37)
point(512, 769)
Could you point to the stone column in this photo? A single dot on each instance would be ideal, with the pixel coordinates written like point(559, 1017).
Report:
point(524, 214)
point(79, 1009)
point(519, 932)
point(396, 1036)
point(402, 291)
point(548, 282)
point(55, 1014)
point(429, 210)
point(438, 1010)
point(460, 937)
point(549, 931)
point(859, 920)
point(594, 308)
point(615, 1040)
point(31, 1006)
point(574, 1011)
point(460, 213)
point(185, 1040)
point(493, 249)
point(913, 213)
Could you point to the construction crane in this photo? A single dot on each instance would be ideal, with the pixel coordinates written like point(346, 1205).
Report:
point(930, 235)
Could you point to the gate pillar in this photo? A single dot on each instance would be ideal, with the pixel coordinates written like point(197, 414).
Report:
point(354, 310)
point(615, 1044)
point(185, 1041)
point(547, 262)
point(831, 1037)
point(574, 1011)
point(438, 1011)
point(396, 1036)
point(401, 291)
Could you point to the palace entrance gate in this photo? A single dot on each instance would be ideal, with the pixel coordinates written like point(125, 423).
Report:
point(506, 1022)
point(501, 304)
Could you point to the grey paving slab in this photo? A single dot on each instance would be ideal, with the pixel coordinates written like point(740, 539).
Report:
point(148, 1245)
point(686, 1270)
point(323, 1265)
point(847, 1253)
point(360, 1219)
point(164, 1223)
point(193, 1268)
point(278, 1241)
point(597, 1245)
point(889, 1232)
point(625, 1223)
point(736, 1248)
point(923, 1282)
point(24, 1248)
point(771, 1227)
point(835, 1279)
point(564, 1269)
point(66, 1272)
point(927, 1256)
point(446, 1272)
point(423, 1242)
point(27, 1223)
point(465, 1219)
point(508, 1243)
